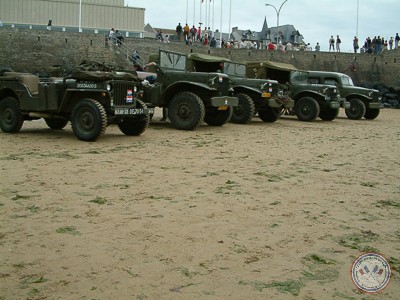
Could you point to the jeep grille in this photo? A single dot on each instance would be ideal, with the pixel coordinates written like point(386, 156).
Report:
point(123, 93)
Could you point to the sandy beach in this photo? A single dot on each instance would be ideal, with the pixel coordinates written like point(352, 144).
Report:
point(258, 211)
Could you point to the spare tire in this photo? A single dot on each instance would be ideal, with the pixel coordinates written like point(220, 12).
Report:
point(5, 69)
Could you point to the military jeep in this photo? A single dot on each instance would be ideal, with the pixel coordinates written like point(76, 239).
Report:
point(363, 102)
point(265, 97)
point(311, 100)
point(90, 100)
point(191, 97)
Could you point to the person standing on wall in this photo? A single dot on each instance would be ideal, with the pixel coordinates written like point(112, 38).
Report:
point(338, 42)
point(331, 44)
point(355, 44)
point(179, 31)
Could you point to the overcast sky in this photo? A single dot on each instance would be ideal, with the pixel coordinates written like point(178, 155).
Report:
point(316, 20)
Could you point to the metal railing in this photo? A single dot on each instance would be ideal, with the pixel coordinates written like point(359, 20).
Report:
point(121, 48)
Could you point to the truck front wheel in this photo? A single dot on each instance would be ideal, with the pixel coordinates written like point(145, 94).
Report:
point(186, 111)
point(329, 114)
point(89, 120)
point(244, 112)
point(133, 125)
point(307, 109)
point(269, 114)
point(216, 117)
point(356, 110)
point(371, 114)
point(11, 119)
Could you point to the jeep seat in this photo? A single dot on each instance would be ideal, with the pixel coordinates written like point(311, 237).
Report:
point(29, 80)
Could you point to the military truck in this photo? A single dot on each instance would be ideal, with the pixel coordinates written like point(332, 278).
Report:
point(262, 96)
point(363, 102)
point(191, 97)
point(311, 100)
point(90, 100)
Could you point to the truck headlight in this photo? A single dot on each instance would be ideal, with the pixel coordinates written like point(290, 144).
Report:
point(109, 87)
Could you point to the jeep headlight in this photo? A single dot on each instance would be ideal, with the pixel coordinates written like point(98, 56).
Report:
point(109, 87)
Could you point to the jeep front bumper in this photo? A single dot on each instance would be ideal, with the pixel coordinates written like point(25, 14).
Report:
point(334, 104)
point(224, 101)
point(374, 105)
point(344, 104)
point(281, 102)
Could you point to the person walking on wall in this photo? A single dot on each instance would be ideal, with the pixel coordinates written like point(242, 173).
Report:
point(331, 44)
point(317, 47)
point(338, 42)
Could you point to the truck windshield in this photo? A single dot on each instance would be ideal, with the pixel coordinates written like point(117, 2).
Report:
point(235, 69)
point(298, 77)
point(346, 80)
point(173, 61)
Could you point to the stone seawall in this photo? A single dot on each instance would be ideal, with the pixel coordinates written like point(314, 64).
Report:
point(39, 51)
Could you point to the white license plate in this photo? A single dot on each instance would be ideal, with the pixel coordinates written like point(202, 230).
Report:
point(131, 111)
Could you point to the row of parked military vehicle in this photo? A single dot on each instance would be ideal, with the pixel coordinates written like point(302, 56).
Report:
point(194, 88)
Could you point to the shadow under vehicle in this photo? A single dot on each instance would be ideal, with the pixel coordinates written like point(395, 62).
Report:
point(311, 100)
point(262, 96)
point(191, 97)
point(90, 100)
point(363, 102)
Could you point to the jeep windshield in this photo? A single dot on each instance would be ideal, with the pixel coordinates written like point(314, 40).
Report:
point(298, 77)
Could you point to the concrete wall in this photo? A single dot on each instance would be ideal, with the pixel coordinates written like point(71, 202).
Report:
point(37, 51)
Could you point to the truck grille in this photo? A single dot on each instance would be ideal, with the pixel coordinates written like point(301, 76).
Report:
point(123, 93)
point(223, 86)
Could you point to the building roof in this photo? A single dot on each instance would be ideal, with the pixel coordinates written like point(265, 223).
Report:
point(287, 32)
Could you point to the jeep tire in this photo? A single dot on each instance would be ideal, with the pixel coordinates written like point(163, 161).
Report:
point(269, 114)
point(244, 112)
point(371, 114)
point(186, 111)
point(56, 124)
point(307, 109)
point(217, 117)
point(134, 126)
point(11, 119)
point(329, 114)
point(89, 120)
point(357, 109)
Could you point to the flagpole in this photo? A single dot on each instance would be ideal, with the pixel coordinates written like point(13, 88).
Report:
point(187, 10)
point(200, 14)
point(213, 17)
point(220, 28)
point(80, 16)
point(230, 18)
point(194, 12)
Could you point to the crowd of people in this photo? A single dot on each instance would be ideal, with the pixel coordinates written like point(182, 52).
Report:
point(373, 46)
point(206, 37)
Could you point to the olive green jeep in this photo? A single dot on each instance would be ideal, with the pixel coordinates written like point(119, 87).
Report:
point(311, 100)
point(264, 97)
point(190, 97)
point(363, 102)
point(90, 100)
